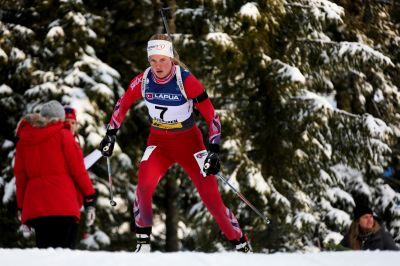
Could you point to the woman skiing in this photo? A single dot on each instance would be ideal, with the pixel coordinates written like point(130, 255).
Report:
point(170, 91)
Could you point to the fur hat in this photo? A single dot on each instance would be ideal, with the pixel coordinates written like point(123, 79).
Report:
point(360, 210)
point(70, 113)
point(53, 109)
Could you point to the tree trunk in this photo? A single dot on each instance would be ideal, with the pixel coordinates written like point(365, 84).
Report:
point(172, 213)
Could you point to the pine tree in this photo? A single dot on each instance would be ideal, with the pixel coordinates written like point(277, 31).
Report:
point(307, 92)
point(51, 55)
point(273, 66)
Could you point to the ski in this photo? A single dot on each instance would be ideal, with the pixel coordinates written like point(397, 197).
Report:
point(92, 158)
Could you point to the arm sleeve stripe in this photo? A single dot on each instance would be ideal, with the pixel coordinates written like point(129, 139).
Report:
point(201, 97)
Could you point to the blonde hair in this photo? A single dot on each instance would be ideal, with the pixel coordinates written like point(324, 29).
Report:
point(165, 37)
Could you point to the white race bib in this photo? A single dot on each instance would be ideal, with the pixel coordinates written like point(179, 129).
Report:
point(200, 158)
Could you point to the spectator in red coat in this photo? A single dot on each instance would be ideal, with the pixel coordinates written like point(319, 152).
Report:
point(50, 172)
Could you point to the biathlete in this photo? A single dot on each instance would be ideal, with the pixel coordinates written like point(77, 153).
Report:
point(170, 91)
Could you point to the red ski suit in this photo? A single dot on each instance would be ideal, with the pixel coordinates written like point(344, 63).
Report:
point(174, 141)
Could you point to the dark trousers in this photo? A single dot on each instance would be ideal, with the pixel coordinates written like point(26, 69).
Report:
point(55, 231)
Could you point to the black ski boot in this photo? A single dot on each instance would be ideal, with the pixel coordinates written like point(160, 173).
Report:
point(142, 243)
point(143, 239)
point(242, 245)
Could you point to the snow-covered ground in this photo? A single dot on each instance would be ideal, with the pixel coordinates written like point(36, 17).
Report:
point(59, 257)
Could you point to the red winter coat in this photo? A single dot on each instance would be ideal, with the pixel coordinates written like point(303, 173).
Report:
point(51, 178)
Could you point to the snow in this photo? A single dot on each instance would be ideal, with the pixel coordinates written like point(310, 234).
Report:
point(9, 190)
point(331, 96)
point(103, 89)
point(300, 155)
point(3, 55)
point(257, 181)
point(265, 60)
point(377, 127)
point(325, 177)
point(7, 143)
point(280, 200)
point(125, 161)
point(23, 31)
point(221, 39)
point(4, 89)
point(93, 239)
point(93, 139)
point(196, 208)
point(77, 18)
point(336, 194)
point(74, 1)
point(101, 80)
point(302, 218)
point(44, 89)
point(388, 194)
point(302, 197)
point(378, 96)
point(193, 12)
point(290, 72)
point(339, 217)
point(324, 8)
point(353, 179)
point(367, 52)
point(333, 237)
point(77, 99)
point(106, 73)
point(319, 101)
point(55, 33)
point(17, 55)
point(65, 257)
point(250, 10)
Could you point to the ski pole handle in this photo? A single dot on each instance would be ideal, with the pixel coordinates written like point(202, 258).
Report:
point(112, 202)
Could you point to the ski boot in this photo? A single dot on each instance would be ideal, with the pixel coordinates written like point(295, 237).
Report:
point(142, 243)
point(242, 245)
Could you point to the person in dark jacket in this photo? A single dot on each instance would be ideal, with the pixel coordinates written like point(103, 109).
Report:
point(50, 177)
point(366, 234)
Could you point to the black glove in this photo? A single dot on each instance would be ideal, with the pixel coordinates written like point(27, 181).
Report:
point(107, 144)
point(90, 209)
point(90, 201)
point(212, 163)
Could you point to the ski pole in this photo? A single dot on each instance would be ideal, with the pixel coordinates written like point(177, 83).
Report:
point(243, 198)
point(166, 13)
point(112, 202)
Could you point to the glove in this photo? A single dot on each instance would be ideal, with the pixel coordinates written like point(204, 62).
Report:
point(90, 215)
point(107, 144)
point(90, 201)
point(90, 209)
point(212, 163)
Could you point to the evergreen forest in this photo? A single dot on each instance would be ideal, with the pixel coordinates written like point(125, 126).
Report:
point(307, 92)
